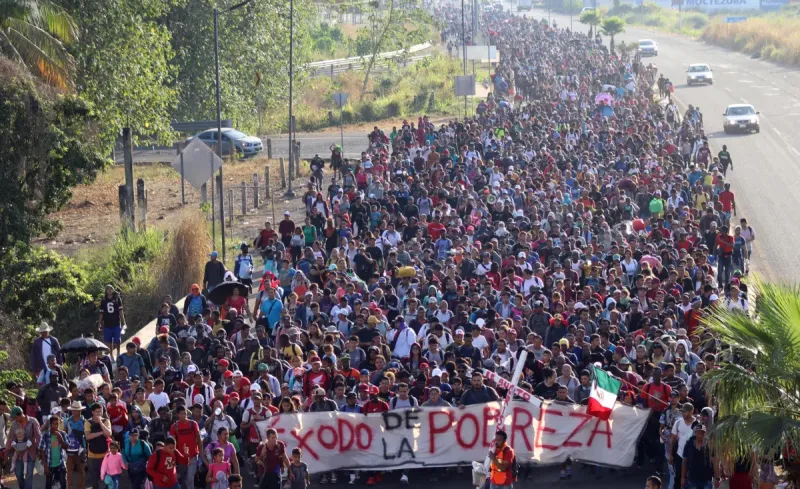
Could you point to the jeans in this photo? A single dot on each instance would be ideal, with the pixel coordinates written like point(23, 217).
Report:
point(75, 464)
point(93, 466)
point(271, 480)
point(56, 474)
point(114, 478)
point(698, 485)
point(670, 470)
point(724, 270)
point(187, 473)
point(495, 486)
point(24, 474)
point(137, 479)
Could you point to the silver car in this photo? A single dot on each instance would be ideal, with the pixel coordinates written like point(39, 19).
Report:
point(648, 47)
point(740, 117)
point(244, 144)
point(699, 73)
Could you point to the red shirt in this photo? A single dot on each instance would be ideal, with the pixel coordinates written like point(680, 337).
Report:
point(726, 199)
point(161, 464)
point(376, 406)
point(436, 229)
point(185, 434)
point(653, 394)
point(273, 456)
point(118, 414)
point(725, 243)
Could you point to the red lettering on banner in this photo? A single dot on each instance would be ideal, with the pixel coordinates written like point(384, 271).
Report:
point(460, 425)
point(586, 418)
point(434, 430)
point(302, 442)
point(361, 428)
point(489, 414)
point(537, 443)
point(274, 421)
point(606, 431)
point(343, 425)
point(517, 424)
point(327, 445)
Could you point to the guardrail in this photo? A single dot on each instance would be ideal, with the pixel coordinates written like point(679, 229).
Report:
point(332, 70)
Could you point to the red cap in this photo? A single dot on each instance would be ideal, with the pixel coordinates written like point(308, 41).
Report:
point(163, 330)
point(136, 340)
point(224, 363)
point(228, 374)
point(314, 359)
point(233, 395)
point(363, 387)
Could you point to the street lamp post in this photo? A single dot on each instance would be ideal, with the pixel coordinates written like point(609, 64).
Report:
point(221, 194)
point(289, 192)
point(464, 48)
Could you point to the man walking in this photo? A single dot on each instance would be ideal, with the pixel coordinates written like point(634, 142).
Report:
point(32, 436)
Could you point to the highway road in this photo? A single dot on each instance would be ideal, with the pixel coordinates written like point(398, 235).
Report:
point(766, 165)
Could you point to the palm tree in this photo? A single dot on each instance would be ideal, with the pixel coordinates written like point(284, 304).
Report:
point(612, 26)
point(33, 33)
point(589, 17)
point(757, 386)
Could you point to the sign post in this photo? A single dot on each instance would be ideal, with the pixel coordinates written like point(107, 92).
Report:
point(341, 98)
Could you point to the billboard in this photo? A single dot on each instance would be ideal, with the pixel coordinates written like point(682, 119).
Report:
point(721, 5)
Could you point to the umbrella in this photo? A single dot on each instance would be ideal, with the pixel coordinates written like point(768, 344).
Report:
point(81, 345)
point(221, 292)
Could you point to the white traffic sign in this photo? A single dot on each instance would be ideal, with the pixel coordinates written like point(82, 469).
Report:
point(199, 163)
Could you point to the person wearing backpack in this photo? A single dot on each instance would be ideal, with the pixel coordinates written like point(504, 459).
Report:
point(162, 466)
point(76, 444)
point(503, 463)
point(136, 453)
point(97, 430)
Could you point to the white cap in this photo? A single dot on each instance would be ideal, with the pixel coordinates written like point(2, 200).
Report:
point(255, 387)
point(437, 372)
point(287, 213)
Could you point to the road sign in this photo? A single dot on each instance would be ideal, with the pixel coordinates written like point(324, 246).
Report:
point(340, 98)
point(199, 163)
point(734, 20)
point(465, 85)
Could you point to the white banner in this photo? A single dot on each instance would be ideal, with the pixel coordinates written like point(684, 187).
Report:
point(438, 437)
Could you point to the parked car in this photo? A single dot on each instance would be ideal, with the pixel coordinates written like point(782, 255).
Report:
point(245, 145)
point(740, 117)
point(699, 73)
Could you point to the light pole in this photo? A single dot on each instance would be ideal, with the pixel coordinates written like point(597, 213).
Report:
point(289, 192)
point(219, 123)
point(464, 48)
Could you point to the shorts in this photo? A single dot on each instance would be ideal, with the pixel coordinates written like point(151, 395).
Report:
point(112, 334)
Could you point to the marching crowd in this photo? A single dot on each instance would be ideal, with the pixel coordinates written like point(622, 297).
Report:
point(576, 216)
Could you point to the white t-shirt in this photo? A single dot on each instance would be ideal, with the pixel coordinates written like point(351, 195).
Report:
point(479, 342)
point(158, 400)
point(683, 432)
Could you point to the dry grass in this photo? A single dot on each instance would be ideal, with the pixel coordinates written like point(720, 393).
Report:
point(774, 37)
point(184, 256)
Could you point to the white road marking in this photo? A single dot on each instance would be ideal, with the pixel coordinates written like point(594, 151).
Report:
point(794, 150)
point(746, 81)
point(745, 101)
point(778, 132)
point(729, 91)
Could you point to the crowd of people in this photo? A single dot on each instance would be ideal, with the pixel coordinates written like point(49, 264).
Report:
point(577, 216)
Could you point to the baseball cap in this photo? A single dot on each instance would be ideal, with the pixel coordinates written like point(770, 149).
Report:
point(228, 374)
point(364, 371)
point(224, 362)
point(16, 411)
point(214, 254)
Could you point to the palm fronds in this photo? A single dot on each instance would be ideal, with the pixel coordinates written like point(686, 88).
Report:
point(757, 384)
point(33, 33)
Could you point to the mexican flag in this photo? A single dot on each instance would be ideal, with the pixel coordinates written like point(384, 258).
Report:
point(603, 395)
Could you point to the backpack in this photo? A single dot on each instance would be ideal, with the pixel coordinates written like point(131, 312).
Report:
point(158, 461)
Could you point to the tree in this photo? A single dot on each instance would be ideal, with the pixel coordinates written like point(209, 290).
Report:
point(611, 26)
point(124, 66)
point(589, 17)
point(756, 385)
point(33, 33)
point(50, 144)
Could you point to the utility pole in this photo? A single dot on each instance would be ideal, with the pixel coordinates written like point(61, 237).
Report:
point(289, 193)
point(464, 48)
point(219, 129)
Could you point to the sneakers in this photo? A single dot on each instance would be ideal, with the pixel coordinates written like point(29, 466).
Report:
point(323, 479)
point(404, 479)
point(371, 481)
point(352, 478)
point(569, 472)
point(334, 480)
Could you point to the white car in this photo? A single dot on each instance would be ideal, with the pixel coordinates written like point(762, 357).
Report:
point(699, 73)
point(740, 117)
point(648, 47)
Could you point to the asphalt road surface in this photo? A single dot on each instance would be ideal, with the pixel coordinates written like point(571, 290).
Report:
point(766, 165)
point(583, 477)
